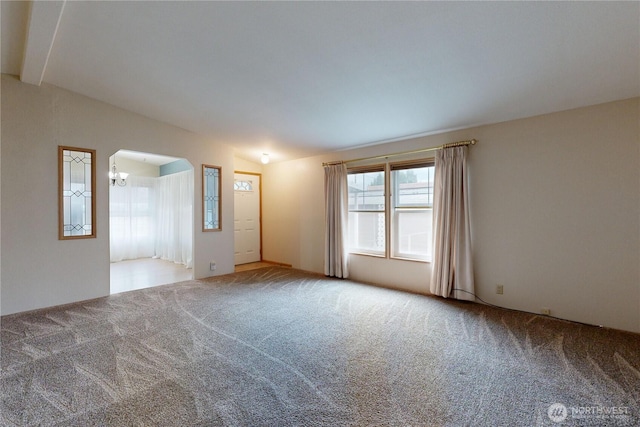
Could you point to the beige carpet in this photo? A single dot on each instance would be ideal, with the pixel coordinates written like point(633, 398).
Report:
point(279, 347)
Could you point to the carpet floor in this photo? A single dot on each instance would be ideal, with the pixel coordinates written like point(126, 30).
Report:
point(280, 347)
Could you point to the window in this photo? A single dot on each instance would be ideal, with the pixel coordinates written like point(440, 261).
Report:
point(211, 190)
point(409, 210)
point(367, 228)
point(76, 193)
point(240, 185)
point(412, 205)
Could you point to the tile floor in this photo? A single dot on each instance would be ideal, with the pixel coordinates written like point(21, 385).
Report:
point(148, 272)
point(145, 273)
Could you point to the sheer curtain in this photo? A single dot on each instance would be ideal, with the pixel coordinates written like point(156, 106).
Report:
point(152, 218)
point(132, 219)
point(452, 266)
point(336, 214)
point(174, 218)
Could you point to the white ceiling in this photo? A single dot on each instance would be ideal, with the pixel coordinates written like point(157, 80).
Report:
point(299, 78)
point(153, 159)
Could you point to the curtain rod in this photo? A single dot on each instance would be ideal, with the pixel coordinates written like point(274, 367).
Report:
point(449, 145)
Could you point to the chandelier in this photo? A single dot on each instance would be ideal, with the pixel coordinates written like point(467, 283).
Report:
point(116, 177)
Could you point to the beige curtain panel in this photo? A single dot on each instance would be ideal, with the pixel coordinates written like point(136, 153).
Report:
point(336, 214)
point(452, 267)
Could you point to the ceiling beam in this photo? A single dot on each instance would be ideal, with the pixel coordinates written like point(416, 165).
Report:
point(44, 19)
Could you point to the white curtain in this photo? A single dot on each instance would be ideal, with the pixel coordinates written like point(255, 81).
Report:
point(336, 214)
point(152, 218)
point(174, 218)
point(132, 219)
point(452, 267)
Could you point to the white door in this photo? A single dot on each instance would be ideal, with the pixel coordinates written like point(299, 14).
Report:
point(247, 218)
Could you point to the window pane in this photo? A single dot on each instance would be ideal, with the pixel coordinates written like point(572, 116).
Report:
point(413, 233)
point(211, 203)
point(366, 232)
point(76, 188)
point(366, 191)
point(413, 187)
point(239, 185)
point(367, 212)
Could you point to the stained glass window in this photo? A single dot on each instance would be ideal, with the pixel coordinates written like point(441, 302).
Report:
point(239, 185)
point(211, 189)
point(76, 183)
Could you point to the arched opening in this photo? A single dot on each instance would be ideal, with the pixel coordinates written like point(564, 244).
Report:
point(151, 218)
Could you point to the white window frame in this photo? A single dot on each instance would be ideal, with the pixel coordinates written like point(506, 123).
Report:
point(396, 209)
point(391, 210)
point(383, 211)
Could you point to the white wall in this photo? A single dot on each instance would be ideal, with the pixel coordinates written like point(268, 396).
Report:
point(38, 270)
point(293, 214)
point(555, 214)
point(242, 165)
point(555, 206)
point(135, 167)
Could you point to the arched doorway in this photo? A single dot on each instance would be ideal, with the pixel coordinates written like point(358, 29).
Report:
point(150, 220)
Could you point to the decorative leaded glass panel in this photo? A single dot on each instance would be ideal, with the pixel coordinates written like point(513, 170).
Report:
point(211, 190)
point(240, 185)
point(76, 183)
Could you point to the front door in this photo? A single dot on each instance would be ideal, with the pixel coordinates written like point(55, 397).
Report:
point(247, 218)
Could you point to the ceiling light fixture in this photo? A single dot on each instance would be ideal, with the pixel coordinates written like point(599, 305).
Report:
point(264, 159)
point(116, 177)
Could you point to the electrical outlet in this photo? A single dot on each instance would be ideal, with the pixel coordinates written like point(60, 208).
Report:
point(499, 289)
point(545, 311)
point(212, 266)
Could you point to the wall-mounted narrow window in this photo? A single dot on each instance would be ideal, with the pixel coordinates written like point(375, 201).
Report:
point(76, 193)
point(211, 191)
